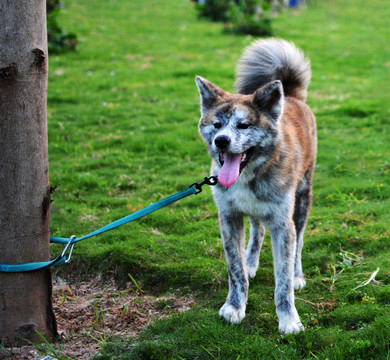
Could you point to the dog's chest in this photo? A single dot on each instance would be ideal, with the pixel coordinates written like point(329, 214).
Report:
point(242, 199)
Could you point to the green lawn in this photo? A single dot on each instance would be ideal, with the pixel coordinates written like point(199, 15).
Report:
point(122, 117)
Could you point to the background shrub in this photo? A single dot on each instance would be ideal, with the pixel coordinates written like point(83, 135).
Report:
point(214, 10)
point(58, 39)
point(251, 17)
point(241, 16)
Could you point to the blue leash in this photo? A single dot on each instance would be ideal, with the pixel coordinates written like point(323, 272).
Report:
point(194, 188)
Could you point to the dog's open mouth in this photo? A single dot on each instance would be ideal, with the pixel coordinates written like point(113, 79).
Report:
point(232, 165)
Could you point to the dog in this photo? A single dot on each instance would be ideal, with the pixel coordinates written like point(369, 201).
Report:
point(262, 141)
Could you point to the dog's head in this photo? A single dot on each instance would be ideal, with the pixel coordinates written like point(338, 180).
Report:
point(240, 130)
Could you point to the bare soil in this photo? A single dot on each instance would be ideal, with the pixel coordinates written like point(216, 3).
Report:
point(89, 312)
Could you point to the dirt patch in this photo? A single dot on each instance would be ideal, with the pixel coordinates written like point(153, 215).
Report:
point(89, 312)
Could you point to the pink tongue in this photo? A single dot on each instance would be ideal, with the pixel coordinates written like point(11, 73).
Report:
point(230, 169)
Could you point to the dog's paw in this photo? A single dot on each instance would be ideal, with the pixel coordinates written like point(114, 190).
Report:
point(231, 314)
point(299, 283)
point(251, 270)
point(290, 326)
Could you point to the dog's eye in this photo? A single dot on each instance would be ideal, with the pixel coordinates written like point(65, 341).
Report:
point(242, 126)
point(217, 125)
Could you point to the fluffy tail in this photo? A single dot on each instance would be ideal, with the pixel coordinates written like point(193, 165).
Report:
point(273, 59)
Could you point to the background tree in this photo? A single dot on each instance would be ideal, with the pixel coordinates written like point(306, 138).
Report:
point(25, 298)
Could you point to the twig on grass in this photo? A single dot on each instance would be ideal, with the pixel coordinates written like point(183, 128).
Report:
point(334, 277)
point(365, 283)
point(325, 306)
point(135, 284)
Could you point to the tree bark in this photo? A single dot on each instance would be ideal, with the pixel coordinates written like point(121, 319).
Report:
point(25, 298)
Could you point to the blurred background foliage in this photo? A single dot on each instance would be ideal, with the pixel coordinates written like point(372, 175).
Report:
point(252, 17)
point(58, 39)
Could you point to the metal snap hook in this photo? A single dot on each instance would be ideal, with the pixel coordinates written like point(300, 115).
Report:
point(70, 242)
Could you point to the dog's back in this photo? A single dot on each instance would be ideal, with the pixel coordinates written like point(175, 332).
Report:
point(267, 60)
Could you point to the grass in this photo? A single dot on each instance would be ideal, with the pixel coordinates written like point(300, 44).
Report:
point(122, 118)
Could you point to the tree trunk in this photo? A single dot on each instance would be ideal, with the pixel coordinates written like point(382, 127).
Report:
point(25, 298)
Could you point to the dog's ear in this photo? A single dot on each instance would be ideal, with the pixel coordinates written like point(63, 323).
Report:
point(209, 93)
point(270, 99)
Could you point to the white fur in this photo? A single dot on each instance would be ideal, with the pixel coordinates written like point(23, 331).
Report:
point(299, 283)
point(290, 324)
point(232, 315)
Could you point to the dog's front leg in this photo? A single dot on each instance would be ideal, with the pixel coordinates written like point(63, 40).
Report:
point(283, 248)
point(232, 233)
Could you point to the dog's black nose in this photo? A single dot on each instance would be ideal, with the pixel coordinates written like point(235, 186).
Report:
point(222, 141)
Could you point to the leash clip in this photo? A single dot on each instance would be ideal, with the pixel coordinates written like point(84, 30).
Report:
point(70, 242)
point(212, 181)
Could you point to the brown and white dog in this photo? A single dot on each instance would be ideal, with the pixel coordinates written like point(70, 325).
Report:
point(262, 141)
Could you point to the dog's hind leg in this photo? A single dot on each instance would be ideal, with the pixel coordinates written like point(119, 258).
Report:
point(252, 253)
point(303, 199)
point(233, 239)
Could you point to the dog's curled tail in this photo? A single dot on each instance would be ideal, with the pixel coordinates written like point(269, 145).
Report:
point(273, 59)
